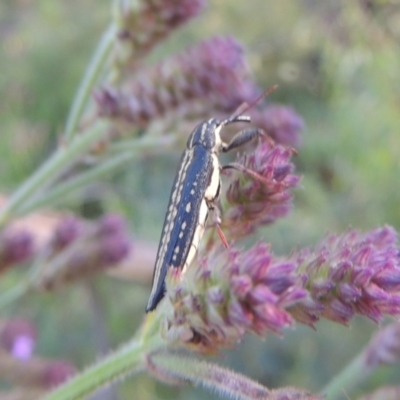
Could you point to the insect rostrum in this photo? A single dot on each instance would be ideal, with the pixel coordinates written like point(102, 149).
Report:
point(193, 196)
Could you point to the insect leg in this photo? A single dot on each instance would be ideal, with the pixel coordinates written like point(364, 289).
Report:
point(241, 168)
point(243, 137)
point(216, 216)
point(239, 139)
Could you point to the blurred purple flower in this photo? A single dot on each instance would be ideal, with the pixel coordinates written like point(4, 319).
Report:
point(15, 247)
point(384, 348)
point(57, 372)
point(281, 123)
point(114, 242)
point(114, 249)
point(68, 230)
point(211, 74)
point(146, 23)
point(102, 245)
point(18, 337)
point(111, 224)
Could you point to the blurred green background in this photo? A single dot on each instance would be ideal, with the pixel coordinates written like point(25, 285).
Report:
point(336, 62)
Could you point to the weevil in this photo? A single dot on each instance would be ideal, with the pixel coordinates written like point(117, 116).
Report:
point(193, 196)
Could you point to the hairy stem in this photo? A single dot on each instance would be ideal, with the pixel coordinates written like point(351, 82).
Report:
point(171, 366)
point(348, 378)
point(61, 191)
point(128, 360)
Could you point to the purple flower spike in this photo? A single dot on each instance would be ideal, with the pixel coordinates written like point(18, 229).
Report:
point(209, 76)
point(255, 292)
point(252, 201)
point(146, 23)
point(240, 296)
point(356, 274)
point(18, 337)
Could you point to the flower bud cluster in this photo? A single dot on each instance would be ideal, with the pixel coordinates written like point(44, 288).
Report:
point(352, 274)
point(259, 192)
point(228, 293)
point(144, 24)
point(16, 246)
point(80, 251)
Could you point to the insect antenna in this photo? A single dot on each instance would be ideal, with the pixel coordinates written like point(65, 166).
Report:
point(244, 107)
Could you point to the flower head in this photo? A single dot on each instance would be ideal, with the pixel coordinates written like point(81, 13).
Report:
point(260, 192)
point(230, 292)
point(353, 274)
point(215, 302)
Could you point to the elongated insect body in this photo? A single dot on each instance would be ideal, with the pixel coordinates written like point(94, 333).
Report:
point(193, 195)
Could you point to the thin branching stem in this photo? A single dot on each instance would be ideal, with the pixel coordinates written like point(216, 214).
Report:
point(128, 360)
point(89, 79)
point(63, 190)
point(63, 157)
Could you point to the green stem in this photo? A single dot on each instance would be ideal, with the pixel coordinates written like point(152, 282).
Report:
point(170, 366)
point(128, 360)
point(148, 141)
point(348, 378)
point(90, 77)
point(15, 293)
point(61, 191)
point(63, 157)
